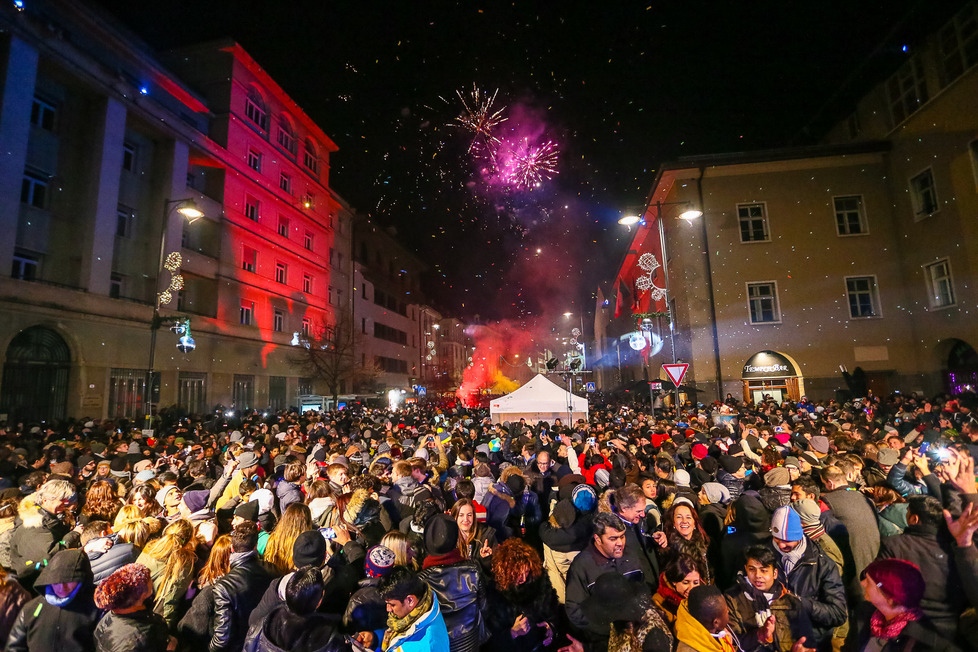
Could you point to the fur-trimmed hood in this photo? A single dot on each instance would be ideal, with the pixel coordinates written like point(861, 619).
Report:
point(30, 513)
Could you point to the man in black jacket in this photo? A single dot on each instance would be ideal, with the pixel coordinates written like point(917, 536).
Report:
point(809, 574)
point(239, 592)
point(628, 504)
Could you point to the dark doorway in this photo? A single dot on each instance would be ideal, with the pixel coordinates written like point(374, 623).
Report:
point(35, 376)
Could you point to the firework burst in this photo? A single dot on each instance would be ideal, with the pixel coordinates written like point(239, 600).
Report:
point(480, 119)
point(530, 165)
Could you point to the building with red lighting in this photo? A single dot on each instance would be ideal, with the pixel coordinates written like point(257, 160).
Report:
point(104, 144)
point(860, 253)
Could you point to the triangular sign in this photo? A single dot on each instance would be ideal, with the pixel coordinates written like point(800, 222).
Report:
point(676, 372)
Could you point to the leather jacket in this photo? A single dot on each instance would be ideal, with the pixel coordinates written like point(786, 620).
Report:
point(235, 596)
point(461, 593)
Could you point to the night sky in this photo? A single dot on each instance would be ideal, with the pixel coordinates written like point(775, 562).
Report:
point(616, 88)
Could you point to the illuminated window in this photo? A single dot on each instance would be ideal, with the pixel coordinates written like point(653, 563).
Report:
point(863, 296)
point(283, 226)
point(255, 109)
point(281, 272)
point(307, 283)
point(252, 208)
point(850, 219)
point(124, 218)
point(923, 194)
point(247, 315)
point(278, 321)
point(940, 284)
point(307, 240)
point(310, 157)
point(753, 223)
point(285, 183)
point(43, 114)
point(34, 190)
point(306, 326)
point(249, 259)
point(286, 136)
point(254, 160)
point(129, 152)
point(762, 299)
point(906, 90)
point(25, 266)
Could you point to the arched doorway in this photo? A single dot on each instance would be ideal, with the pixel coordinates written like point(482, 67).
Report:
point(35, 376)
point(961, 373)
point(774, 374)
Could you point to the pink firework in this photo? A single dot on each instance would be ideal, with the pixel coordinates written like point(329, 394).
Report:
point(479, 118)
point(530, 165)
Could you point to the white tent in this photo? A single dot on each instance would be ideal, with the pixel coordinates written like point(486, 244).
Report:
point(539, 400)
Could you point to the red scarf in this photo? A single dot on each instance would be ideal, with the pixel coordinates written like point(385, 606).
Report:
point(890, 629)
point(443, 560)
point(667, 592)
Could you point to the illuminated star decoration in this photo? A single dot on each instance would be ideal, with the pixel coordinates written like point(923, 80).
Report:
point(646, 283)
point(479, 118)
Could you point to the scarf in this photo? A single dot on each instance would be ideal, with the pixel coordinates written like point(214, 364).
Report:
point(815, 531)
point(691, 632)
point(632, 639)
point(671, 596)
point(760, 600)
point(450, 557)
point(52, 598)
point(890, 629)
point(792, 558)
point(241, 557)
point(397, 625)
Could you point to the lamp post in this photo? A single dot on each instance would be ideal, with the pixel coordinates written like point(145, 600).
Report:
point(189, 210)
point(630, 220)
point(713, 307)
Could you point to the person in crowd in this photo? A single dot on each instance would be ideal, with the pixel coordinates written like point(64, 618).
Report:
point(626, 610)
point(295, 520)
point(678, 578)
point(476, 540)
point(128, 625)
point(64, 616)
point(170, 560)
point(12, 597)
point(414, 620)
point(523, 611)
point(405, 554)
point(237, 593)
point(366, 610)
point(702, 624)
point(858, 515)
point(682, 534)
point(628, 504)
point(193, 630)
point(42, 529)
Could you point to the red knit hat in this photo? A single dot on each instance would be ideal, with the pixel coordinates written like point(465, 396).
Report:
point(899, 579)
point(123, 588)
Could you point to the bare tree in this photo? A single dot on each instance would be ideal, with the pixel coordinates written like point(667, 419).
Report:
point(331, 354)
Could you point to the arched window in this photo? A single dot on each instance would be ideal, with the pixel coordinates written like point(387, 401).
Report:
point(311, 157)
point(286, 135)
point(255, 109)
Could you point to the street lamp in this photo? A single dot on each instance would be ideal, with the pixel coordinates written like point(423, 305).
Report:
point(628, 221)
point(190, 212)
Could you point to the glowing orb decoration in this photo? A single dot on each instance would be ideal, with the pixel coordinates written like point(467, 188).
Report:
point(648, 262)
point(428, 358)
point(643, 283)
point(431, 345)
point(165, 297)
point(576, 332)
point(176, 283)
point(637, 341)
point(173, 261)
point(656, 344)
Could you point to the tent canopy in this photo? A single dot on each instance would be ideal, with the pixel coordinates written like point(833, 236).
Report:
point(539, 400)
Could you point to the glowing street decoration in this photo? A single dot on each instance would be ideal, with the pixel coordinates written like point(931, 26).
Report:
point(646, 283)
point(171, 264)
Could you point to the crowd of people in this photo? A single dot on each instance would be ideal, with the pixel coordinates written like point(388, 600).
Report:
point(782, 527)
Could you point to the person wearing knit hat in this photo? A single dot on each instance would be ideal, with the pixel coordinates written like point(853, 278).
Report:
point(245, 512)
point(379, 561)
point(123, 594)
point(809, 574)
point(811, 524)
point(309, 549)
point(715, 493)
point(819, 445)
point(895, 587)
point(777, 477)
point(681, 478)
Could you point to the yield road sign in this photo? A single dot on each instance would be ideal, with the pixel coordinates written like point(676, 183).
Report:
point(676, 372)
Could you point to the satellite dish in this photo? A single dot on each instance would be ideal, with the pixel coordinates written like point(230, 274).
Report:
point(637, 341)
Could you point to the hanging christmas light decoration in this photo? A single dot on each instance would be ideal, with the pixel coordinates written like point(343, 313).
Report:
point(646, 283)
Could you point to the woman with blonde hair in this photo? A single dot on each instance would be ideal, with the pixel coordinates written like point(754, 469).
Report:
point(170, 560)
point(130, 526)
point(193, 630)
point(278, 551)
point(101, 503)
point(400, 544)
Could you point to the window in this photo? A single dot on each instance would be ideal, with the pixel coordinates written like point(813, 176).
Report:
point(307, 240)
point(849, 216)
point(283, 226)
point(286, 136)
point(306, 326)
point(391, 365)
point(285, 183)
point(906, 91)
point(115, 285)
point(278, 321)
point(34, 190)
point(125, 217)
point(923, 194)
point(281, 272)
point(25, 266)
point(247, 315)
point(307, 283)
point(389, 333)
point(331, 294)
point(249, 259)
point(863, 296)
point(254, 160)
point(43, 114)
point(252, 208)
point(243, 391)
point(310, 157)
point(958, 41)
point(129, 152)
point(763, 300)
point(255, 110)
point(940, 284)
point(332, 256)
point(753, 222)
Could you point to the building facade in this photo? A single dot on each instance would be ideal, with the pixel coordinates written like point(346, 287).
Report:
point(810, 263)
